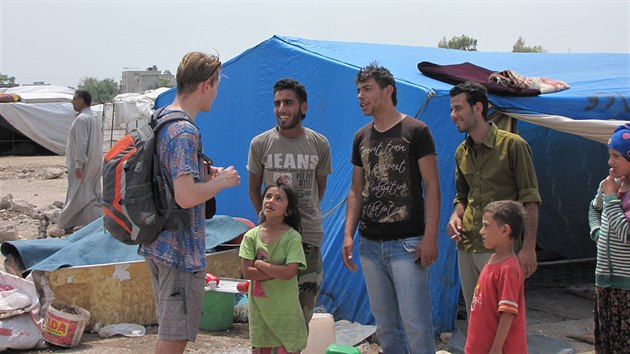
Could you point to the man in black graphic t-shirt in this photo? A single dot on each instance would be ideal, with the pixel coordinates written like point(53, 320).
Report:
point(395, 164)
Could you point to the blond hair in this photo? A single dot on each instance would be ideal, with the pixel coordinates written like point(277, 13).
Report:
point(195, 68)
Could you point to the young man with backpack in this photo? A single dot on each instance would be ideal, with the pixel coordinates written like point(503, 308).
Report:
point(177, 258)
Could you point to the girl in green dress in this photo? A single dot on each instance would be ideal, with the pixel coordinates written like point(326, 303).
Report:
point(271, 255)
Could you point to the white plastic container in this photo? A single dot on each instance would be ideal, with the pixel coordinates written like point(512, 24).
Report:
point(321, 333)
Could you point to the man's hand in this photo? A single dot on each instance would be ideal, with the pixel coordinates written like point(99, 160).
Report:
point(527, 259)
point(346, 254)
point(210, 172)
point(454, 228)
point(427, 251)
point(78, 172)
point(227, 177)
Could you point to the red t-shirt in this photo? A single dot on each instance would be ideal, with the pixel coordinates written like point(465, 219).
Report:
point(499, 289)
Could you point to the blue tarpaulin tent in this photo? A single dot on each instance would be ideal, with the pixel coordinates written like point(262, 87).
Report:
point(569, 167)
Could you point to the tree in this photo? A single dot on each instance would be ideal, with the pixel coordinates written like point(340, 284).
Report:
point(101, 90)
point(462, 42)
point(6, 79)
point(520, 47)
point(165, 83)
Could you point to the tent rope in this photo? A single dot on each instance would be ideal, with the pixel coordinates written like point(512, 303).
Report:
point(334, 208)
point(430, 94)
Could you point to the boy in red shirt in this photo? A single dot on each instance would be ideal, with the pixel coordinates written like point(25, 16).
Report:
point(497, 313)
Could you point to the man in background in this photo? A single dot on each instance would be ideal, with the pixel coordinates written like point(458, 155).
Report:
point(491, 164)
point(84, 160)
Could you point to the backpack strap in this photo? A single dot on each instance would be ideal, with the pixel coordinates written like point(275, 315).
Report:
point(158, 121)
point(174, 214)
point(211, 204)
point(171, 117)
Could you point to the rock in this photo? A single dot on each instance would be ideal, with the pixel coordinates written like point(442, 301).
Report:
point(41, 211)
point(445, 336)
point(22, 206)
point(53, 215)
point(56, 232)
point(5, 202)
point(58, 204)
point(53, 173)
point(13, 265)
point(8, 233)
point(42, 229)
point(586, 291)
point(48, 207)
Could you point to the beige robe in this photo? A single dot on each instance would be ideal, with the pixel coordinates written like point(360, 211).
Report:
point(84, 150)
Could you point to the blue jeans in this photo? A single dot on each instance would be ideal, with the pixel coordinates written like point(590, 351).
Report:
point(399, 295)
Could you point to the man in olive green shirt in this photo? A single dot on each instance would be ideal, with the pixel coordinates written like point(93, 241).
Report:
point(491, 164)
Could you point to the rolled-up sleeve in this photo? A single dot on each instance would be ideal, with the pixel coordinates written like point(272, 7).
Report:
point(524, 173)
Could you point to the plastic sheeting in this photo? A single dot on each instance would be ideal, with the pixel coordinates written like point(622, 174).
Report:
point(596, 130)
point(45, 123)
point(129, 109)
point(44, 114)
point(568, 167)
point(41, 93)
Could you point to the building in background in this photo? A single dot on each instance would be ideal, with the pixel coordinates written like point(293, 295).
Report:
point(149, 79)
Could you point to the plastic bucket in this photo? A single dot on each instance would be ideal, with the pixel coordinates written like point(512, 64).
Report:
point(217, 311)
point(342, 349)
point(64, 324)
point(321, 333)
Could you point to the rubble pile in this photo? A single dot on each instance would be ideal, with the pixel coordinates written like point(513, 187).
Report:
point(16, 214)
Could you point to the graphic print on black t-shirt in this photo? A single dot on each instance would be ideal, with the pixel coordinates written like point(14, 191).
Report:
point(387, 189)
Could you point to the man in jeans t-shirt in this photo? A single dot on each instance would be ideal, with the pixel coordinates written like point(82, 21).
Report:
point(300, 157)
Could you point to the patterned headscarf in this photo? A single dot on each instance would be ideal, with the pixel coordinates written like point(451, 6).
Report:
point(620, 140)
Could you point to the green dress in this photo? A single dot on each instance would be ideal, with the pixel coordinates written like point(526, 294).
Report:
point(275, 314)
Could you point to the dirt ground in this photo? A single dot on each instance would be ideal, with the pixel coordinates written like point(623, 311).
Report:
point(24, 178)
point(553, 314)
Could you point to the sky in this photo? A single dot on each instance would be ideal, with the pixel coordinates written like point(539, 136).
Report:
point(63, 42)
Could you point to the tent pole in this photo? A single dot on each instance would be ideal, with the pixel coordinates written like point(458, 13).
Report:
point(111, 128)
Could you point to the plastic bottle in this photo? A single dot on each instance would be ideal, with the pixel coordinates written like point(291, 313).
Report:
point(125, 329)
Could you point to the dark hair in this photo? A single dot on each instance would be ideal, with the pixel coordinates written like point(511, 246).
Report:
point(381, 75)
point(85, 95)
point(296, 86)
point(508, 212)
point(474, 93)
point(195, 68)
point(292, 215)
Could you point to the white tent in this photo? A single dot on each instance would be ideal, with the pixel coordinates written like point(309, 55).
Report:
point(44, 115)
